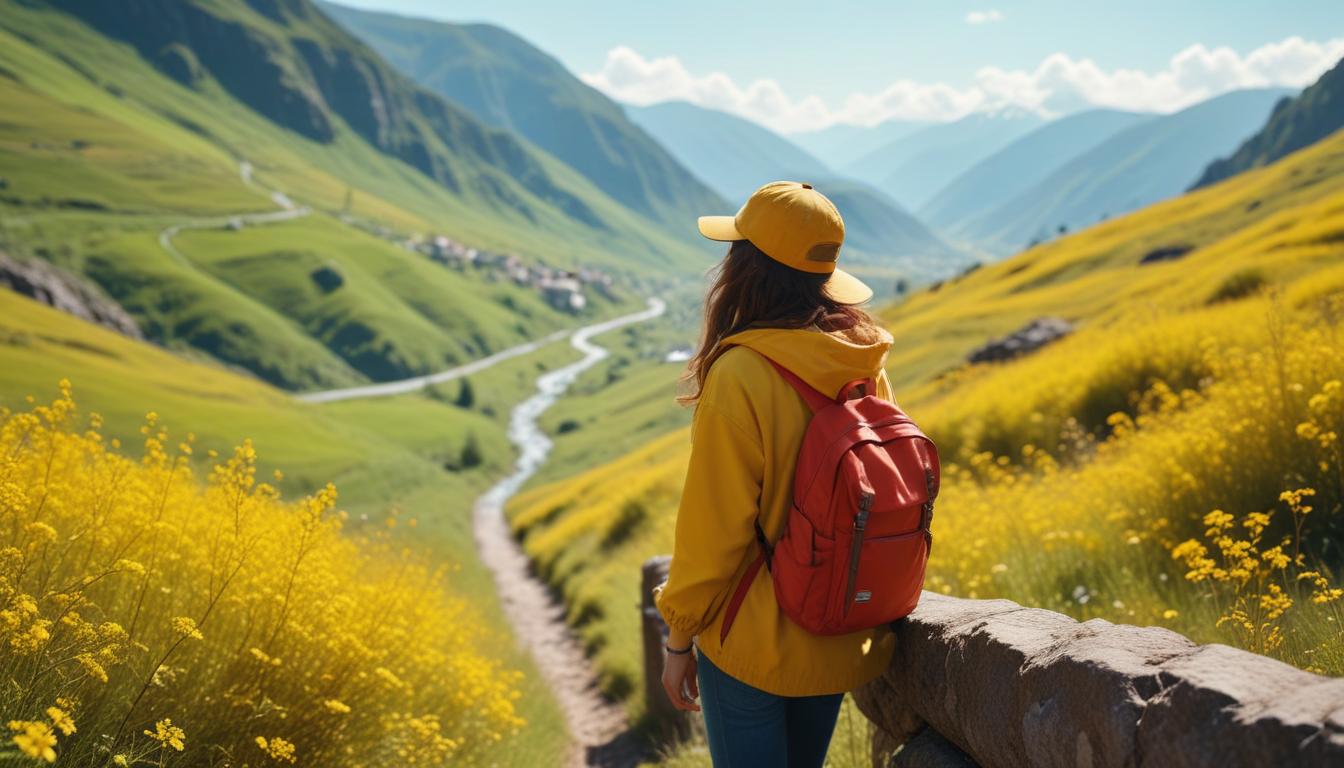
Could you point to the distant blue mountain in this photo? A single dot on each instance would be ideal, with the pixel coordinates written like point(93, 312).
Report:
point(912, 169)
point(1138, 166)
point(1022, 164)
point(735, 156)
point(840, 145)
point(732, 155)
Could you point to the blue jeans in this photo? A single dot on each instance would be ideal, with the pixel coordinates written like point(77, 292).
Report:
point(748, 727)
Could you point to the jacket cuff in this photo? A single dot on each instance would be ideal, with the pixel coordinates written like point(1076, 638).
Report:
point(683, 622)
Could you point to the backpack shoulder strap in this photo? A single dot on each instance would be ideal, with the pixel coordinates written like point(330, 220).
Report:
point(814, 399)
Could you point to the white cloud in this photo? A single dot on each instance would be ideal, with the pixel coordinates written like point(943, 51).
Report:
point(984, 17)
point(1059, 83)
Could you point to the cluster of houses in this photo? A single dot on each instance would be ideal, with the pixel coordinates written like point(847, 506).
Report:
point(564, 290)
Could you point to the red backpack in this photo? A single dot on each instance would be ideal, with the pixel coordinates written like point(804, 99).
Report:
point(854, 547)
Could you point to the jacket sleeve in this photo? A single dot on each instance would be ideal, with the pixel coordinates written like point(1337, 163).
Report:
point(715, 522)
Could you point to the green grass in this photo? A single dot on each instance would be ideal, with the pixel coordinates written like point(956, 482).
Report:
point(100, 151)
point(397, 313)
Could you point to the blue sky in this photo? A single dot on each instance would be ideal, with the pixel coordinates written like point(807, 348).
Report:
point(802, 65)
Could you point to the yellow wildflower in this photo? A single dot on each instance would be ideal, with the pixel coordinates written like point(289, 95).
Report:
point(61, 720)
point(337, 706)
point(277, 749)
point(34, 739)
point(168, 735)
point(186, 627)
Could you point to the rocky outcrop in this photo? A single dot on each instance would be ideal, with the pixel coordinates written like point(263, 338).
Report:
point(1029, 338)
point(995, 683)
point(40, 280)
point(1165, 253)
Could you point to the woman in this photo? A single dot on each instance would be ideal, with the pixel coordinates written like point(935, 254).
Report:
point(770, 690)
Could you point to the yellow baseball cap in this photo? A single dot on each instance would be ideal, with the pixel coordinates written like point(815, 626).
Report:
point(797, 226)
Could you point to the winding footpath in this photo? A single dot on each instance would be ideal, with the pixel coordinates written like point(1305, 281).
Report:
point(598, 727)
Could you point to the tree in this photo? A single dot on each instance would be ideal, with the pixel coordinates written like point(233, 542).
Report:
point(466, 396)
point(471, 453)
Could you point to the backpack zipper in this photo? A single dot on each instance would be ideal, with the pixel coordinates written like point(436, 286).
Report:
point(860, 525)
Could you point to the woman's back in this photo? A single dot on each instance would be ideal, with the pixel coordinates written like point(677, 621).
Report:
point(748, 426)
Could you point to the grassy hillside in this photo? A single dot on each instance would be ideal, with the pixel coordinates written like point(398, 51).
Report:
point(1181, 393)
point(1295, 123)
point(1022, 164)
point(104, 147)
point(1139, 166)
point(508, 83)
point(387, 457)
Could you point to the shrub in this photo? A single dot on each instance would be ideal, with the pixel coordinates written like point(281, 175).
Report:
point(1239, 285)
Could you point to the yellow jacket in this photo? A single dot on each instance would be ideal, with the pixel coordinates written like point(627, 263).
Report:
point(748, 426)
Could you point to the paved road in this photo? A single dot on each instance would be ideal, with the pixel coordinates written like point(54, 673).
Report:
point(288, 211)
point(403, 386)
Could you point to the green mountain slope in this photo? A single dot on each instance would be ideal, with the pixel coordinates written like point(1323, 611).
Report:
point(1295, 123)
point(913, 168)
point(731, 154)
point(122, 122)
point(1022, 164)
point(1140, 165)
point(508, 83)
point(840, 145)
point(735, 156)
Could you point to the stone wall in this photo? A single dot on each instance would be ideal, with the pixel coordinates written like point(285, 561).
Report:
point(990, 682)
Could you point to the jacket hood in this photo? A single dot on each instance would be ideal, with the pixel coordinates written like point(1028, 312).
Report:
point(826, 361)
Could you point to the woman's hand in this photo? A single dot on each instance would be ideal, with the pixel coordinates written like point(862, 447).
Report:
point(679, 680)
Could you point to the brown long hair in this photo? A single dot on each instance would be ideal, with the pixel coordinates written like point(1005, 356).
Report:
point(752, 290)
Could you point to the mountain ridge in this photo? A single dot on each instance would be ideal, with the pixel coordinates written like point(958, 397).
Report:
point(1138, 166)
point(1295, 123)
point(913, 168)
point(508, 83)
point(735, 156)
point(1026, 161)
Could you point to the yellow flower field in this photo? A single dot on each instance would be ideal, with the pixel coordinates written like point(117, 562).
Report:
point(150, 618)
point(1211, 508)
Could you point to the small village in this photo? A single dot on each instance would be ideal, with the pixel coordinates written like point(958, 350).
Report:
point(563, 290)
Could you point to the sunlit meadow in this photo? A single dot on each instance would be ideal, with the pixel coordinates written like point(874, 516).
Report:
point(149, 616)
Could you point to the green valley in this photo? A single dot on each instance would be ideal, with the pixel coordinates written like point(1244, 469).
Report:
point(361, 416)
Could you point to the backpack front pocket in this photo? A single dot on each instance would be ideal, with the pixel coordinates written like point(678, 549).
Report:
point(880, 581)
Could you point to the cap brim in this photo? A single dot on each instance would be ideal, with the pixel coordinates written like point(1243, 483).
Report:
point(720, 228)
point(847, 289)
